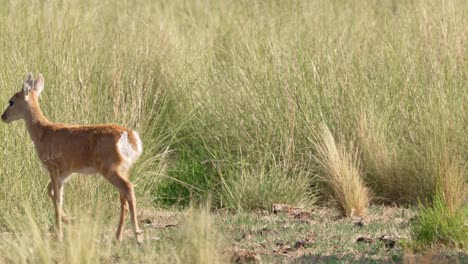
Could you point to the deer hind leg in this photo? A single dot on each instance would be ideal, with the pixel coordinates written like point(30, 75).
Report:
point(125, 188)
point(50, 192)
point(123, 213)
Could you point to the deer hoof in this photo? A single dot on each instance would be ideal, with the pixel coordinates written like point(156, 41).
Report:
point(140, 242)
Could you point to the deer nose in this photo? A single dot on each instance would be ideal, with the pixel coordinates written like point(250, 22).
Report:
point(3, 117)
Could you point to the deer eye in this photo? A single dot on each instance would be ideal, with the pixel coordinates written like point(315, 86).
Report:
point(11, 103)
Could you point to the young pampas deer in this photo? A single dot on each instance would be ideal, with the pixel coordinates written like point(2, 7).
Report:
point(109, 150)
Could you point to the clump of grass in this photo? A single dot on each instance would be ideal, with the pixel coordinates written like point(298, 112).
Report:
point(386, 173)
point(32, 242)
point(90, 239)
point(259, 186)
point(342, 175)
point(437, 225)
point(198, 241)
point(442, 221)
point(451, 180)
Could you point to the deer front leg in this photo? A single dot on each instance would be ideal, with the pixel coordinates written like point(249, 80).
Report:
point(50, 192)
point(56, 187)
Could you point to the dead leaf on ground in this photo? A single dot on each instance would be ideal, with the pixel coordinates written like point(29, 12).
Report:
point(359, 222)
point(244, 256)
point(388, 241)
point(365, 240)
point(302, 243)
point(246, 236)
point(302, 215)
point(280, 208)
point(266, 231)
point(282, 249)
point(298, 213)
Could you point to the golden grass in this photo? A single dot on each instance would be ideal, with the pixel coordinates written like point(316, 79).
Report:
point(90, 239)
point(341, 172)
point(451, 173)
point(386, 171)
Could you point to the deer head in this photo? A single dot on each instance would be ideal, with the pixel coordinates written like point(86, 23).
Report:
point(19, 103)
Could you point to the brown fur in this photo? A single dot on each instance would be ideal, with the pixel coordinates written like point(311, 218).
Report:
point(65, 149)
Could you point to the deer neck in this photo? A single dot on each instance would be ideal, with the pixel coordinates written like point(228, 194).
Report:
point(36, 122)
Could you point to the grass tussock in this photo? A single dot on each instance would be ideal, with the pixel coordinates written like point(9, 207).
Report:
point(198, 240)
point(31, 241)
point(386, 173)
point(90, 239)
point(452, 181)
point(437, 225)
point(341, 173)
point(259, 186)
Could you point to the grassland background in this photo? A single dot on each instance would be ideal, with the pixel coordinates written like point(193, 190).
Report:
point(230, 97)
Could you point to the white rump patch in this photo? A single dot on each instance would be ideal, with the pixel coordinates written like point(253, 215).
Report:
point(138, 142)
point(126, 149)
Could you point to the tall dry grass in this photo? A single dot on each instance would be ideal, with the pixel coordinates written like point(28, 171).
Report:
point(387, 172)
point(90, 239)
point(29, 241)
point(342, 174)
point(230, 86)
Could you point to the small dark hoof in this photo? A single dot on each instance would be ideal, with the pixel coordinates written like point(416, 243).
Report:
point(117, 241)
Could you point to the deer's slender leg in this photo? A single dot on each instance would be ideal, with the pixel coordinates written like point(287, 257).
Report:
point(56, 186)
point(50, 192)
point(123, 213)
point(133, 213)
point(126, 190)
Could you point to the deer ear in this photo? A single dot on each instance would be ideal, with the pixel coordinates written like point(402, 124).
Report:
point(28, 84)
point(39, 85)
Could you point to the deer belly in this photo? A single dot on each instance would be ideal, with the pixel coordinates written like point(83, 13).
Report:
point(86, 170)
